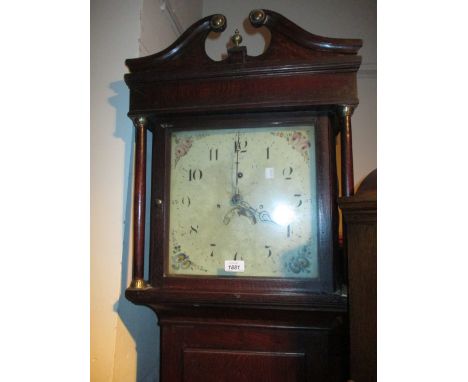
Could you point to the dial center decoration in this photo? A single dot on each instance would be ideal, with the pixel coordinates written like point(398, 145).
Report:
point(246, 196)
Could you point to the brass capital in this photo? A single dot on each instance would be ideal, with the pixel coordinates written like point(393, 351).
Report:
point(347, 110)
point(140, 121)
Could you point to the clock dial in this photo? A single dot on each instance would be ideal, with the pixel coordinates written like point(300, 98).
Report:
point(247, 196)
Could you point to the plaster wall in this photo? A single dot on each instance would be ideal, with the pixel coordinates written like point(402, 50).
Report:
point(163, 21)
point(115, 27)
point(124, 337)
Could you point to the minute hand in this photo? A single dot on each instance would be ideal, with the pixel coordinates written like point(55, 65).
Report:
point(236, 175)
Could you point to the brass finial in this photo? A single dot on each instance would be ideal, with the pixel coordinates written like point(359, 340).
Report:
point(257, 17)
point(218, 23)
point(237, 38)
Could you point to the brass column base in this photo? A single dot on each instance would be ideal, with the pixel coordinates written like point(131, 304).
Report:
point(139, 284)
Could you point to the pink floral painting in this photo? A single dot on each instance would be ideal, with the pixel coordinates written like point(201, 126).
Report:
point(298, 142)
point(182, 148)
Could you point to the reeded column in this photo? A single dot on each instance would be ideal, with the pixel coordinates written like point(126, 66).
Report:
point(347, 176)
point(139, 205)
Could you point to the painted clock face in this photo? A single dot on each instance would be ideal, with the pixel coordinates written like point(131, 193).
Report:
point(243, 203)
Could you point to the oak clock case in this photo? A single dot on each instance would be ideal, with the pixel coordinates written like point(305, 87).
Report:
point(244, 262)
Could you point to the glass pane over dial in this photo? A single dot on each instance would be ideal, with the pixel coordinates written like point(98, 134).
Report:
point(247, 196)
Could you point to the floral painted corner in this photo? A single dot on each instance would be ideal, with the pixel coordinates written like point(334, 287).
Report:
point(181, 261)
point(182, 147)
point(300, 262)
point(297, 140)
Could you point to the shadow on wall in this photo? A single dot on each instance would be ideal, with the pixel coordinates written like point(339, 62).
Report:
point(140, 321)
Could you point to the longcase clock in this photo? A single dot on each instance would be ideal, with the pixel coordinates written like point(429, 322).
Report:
point(245, 268)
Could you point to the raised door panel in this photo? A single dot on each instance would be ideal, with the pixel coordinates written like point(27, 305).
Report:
point(229, 352)
point(362, 247)
point(214, 365)
point(360, 218)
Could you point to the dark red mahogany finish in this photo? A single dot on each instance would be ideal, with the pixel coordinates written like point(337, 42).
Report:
point(360, 217)
point(139, 207)
point(245, 329)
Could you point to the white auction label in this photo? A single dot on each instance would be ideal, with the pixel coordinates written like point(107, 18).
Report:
point(234, 265)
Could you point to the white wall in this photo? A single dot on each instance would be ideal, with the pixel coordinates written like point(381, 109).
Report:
point(331, 18)
point(163, 21)
point(137, 334)
point(124, 337)
point(115, 27)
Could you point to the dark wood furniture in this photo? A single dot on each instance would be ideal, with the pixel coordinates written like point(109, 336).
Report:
point(245, 329)
point(360, 219)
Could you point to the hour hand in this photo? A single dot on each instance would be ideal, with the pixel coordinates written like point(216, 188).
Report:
point(242, 208)
point(263, 215)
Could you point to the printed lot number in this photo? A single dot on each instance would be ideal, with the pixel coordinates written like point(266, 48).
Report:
point(234, 266)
